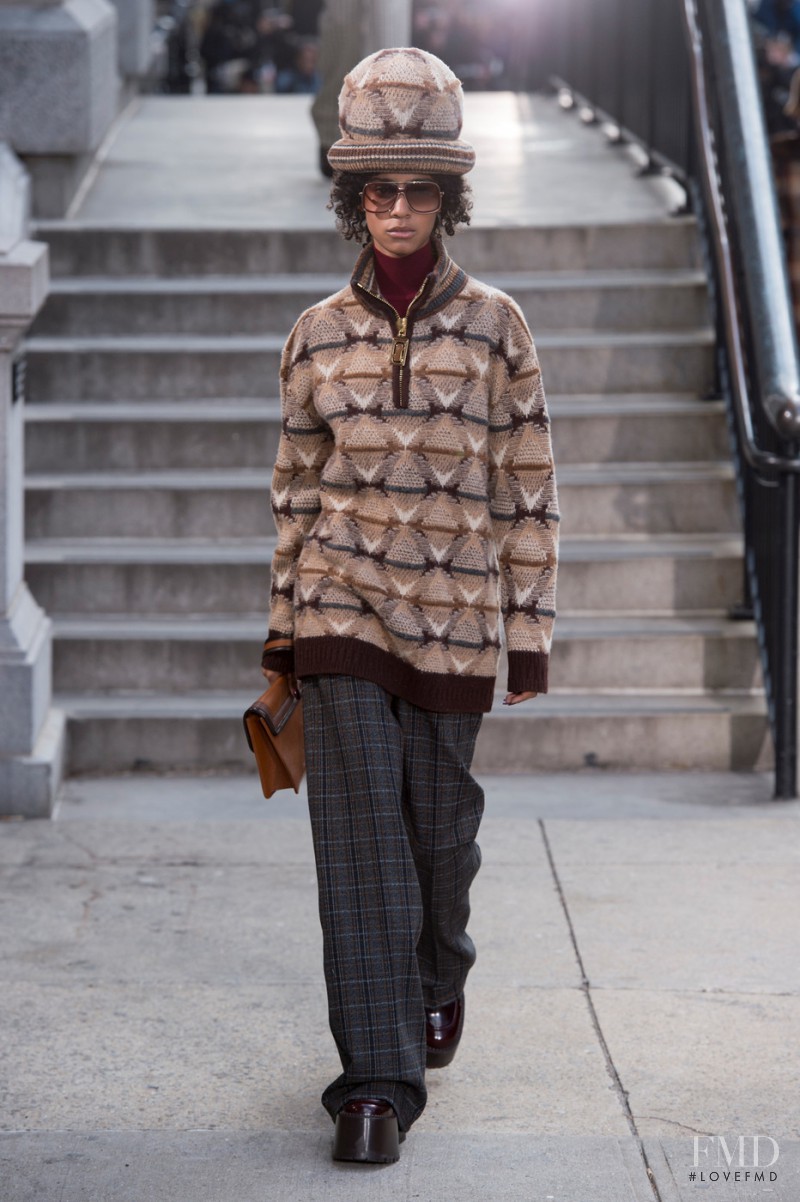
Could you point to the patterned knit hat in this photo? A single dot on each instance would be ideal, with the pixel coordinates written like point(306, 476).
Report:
point(401, 110)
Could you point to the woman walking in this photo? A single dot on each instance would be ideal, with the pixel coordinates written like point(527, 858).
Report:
point(415, 502)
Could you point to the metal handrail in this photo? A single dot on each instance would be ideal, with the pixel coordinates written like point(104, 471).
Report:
point(778, 367)
point(753, 204)
point(776, 384)
point(678, 78)
point(735, 159)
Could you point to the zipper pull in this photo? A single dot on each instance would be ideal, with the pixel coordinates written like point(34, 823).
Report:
point(399, 352)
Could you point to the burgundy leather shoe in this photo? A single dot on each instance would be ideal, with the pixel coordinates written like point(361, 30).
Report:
point(366, 1130)
point(443, 1029)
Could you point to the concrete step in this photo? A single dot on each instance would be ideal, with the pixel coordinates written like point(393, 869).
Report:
point(115, 732)
point(189, 305)
point(655, 498)
point(155, 435)
point(617, 429)
point(172, 366)
point(629, 574)
point(614, 300)
point(690, 654)
point(174, 505)
point(91, 436)
point(88, 249)
point(604, 499)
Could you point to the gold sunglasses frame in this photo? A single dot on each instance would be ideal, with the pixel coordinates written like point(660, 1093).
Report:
point(401, 191)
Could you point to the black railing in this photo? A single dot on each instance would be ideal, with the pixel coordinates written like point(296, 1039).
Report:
point(678, 78)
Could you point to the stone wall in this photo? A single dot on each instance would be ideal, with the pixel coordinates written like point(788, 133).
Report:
point(62, 69)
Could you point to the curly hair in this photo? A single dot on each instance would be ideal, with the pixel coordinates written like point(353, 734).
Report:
point(352, 223)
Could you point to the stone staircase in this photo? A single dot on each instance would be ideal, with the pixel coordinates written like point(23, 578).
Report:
point(151, 430)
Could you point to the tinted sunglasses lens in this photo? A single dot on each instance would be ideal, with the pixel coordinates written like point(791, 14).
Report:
point(423, 197)
point(379, 196)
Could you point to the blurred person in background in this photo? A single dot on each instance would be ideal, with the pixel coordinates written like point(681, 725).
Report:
point(776, 40)
point(780, 19)
point(305, 16)
point(488, 50)
point(348, 30)
point(302, 77)
point(475, 50)
point(431, 27)
point(244, 45)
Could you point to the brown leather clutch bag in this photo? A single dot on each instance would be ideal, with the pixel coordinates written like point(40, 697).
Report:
point(273, 727)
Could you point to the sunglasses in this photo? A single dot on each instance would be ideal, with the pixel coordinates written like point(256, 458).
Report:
point(422, 195)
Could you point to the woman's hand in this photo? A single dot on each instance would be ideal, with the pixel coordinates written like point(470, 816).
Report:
point(515, 698)
point(271, 675)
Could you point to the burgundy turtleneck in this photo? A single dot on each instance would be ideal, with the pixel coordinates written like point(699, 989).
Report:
point(401, 279)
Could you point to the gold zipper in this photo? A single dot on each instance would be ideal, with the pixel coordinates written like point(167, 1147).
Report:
point(402, 337)
point(401, 341)
point(400, 344)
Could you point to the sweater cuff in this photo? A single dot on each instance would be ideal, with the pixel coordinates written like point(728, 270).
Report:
point(527, 671)
point(277, 659)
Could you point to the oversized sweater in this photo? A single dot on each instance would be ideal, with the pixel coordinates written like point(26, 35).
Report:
point(414, 493)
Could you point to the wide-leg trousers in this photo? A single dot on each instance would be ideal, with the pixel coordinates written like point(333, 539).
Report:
point(394, 815)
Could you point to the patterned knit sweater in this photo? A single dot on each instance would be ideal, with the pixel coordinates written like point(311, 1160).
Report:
point(414, 494)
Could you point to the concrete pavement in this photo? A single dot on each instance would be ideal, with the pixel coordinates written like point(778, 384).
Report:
point(164, 1027)
point(213, 161)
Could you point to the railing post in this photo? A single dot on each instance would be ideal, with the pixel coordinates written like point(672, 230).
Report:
point(785, 669)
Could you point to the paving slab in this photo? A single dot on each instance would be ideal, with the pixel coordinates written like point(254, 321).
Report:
point(281, 1167)
point(94, 1057)
point(704, 1063)
point(89, 1057)
point(518, 926)
point(749, 1176)
point(154, 923)
point(259, 841)
point(529, 1061)
point(702, 928)
point(699, 906)
point(701, 844)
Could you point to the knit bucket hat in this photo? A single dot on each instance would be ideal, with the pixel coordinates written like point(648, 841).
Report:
point(401, 110)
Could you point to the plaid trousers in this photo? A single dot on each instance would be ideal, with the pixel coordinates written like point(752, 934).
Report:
point(394, 814)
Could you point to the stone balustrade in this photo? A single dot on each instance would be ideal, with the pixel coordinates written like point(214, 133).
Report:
point(31, 731)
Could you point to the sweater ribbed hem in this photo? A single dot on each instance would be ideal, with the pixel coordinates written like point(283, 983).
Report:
point(527, 671)
point(439, 691)
point(280, 659)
